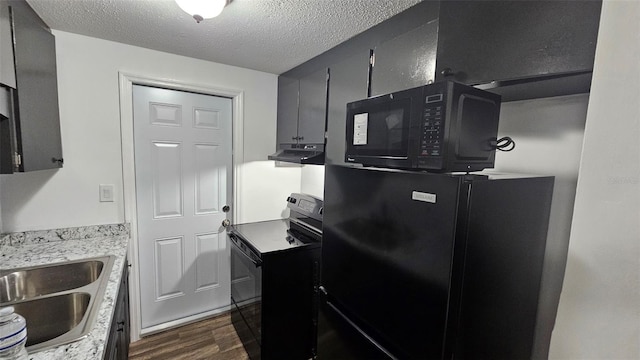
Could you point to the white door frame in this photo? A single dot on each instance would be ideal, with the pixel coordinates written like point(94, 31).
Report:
point(126, 81)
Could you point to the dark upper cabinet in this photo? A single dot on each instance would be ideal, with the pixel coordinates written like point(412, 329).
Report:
point(518, 49)
point(312, 108)
point(348, 81)
point(287, 132)
point(485, 41)
point(34, 127)
point(7, 70)
point(301, 109)
point(37, 111)
point(7, 131)
point(406, 61)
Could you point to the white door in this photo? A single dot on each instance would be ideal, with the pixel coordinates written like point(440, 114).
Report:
point(183, 167)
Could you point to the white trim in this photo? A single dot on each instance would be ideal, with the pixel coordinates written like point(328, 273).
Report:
point(126, 81)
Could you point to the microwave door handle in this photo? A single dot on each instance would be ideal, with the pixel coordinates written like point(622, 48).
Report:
point(255, 263)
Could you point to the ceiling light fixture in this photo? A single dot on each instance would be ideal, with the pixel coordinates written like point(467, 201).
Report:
point(202, 9)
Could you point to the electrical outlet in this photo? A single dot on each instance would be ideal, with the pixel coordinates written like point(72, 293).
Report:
point(106, 193)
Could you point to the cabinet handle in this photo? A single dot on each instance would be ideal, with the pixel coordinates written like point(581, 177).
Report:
point(59, 161)
point(447, 72)
point(300, 137)
point(294, 138)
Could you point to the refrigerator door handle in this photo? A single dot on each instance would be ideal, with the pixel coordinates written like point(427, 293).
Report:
point(357, 328)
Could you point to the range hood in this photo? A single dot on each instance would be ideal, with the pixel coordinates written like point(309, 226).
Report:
point(308, 155)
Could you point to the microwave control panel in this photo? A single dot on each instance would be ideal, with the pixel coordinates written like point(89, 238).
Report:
point(431, 141)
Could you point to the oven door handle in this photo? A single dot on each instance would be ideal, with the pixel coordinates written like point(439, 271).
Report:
point(255, 263)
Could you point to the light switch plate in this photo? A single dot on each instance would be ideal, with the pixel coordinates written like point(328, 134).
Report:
point(106, 192)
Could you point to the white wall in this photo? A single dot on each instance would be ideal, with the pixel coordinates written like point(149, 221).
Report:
point(90, 125)
point(599, 312)
point(312, 180)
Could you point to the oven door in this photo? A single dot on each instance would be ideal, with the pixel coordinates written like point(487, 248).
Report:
point(246, 295)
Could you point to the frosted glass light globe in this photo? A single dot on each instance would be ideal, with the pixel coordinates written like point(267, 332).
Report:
point(202, 9)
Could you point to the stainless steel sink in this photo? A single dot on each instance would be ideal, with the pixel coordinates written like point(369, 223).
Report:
point(49, 317)
point(28, 283)
point(59, 301)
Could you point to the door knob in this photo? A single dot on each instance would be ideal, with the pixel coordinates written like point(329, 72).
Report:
point(226, 223)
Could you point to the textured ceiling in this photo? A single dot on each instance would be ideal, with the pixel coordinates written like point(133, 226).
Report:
point(267, 35)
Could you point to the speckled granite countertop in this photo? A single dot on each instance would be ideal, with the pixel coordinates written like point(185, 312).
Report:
point(47, 247)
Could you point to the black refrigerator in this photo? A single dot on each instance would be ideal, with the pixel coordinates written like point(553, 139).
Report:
point(418, 265)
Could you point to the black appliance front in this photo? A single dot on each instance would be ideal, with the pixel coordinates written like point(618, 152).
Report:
point(275, 276)
point(419, 266)
point(246, 295)
point(340, 338)
point(443, 127)
point(388, 252)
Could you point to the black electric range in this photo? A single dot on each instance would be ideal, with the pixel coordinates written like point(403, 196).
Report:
point(275, 269)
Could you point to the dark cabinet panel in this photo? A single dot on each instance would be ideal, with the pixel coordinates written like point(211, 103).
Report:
point(406, 61)
point(518, 49)
point(312, 108)
point(117, 347)
point(301, 110)
point(7, 70)
point(33, 126)
point(37, 96)
point(287, 110)
point(348, 82)
point(7, 131)
point(484, 41)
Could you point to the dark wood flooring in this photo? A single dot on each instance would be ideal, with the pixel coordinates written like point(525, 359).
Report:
point(210, 339)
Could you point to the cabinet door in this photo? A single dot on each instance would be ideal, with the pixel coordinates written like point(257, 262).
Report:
point(484, 41)
point(7, 132)
point(287, 111)
point(37, 96)
point(7, 71)
point(122, 345)
point(117, 347)
point(111, 349)
point(312, 108)
point(126, 315)
point(406, 61)
point(348, 82)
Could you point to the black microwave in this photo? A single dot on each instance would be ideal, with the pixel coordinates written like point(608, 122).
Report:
point(442, 127)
